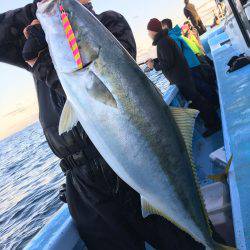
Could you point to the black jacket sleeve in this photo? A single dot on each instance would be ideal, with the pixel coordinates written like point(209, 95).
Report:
point(120, 28)
point(44, 71)
point(12, 39)
point(157, 64)
point(166, 55)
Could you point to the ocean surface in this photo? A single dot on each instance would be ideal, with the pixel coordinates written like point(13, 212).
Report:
point(30, 179)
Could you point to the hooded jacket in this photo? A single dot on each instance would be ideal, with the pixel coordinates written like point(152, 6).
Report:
point(171, 61)
point(190, 56)
point(194, 46)
point(51, 97)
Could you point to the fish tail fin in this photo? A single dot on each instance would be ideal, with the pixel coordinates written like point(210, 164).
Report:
point(218, 246)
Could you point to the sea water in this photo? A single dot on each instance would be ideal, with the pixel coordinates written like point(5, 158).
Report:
point(29, 181)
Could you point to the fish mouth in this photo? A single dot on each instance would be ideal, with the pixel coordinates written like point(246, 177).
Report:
point(87, 65)
point(92, 59)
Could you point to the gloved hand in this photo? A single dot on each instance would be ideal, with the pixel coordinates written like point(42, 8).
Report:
point(150, 64)
point(36, 1)
point(36, 41)
point(62, 193)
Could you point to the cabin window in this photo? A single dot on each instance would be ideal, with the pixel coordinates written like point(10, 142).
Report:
point(237, 9)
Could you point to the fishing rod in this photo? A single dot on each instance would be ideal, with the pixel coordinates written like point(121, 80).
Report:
point(140, 64)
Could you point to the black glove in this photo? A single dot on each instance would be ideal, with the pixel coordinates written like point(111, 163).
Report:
point(36, 1)
point(35, 43)
point(62, 193)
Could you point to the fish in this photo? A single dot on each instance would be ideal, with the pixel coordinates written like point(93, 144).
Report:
point(144, 141)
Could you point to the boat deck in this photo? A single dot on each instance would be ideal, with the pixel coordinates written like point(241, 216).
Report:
point(234, 91)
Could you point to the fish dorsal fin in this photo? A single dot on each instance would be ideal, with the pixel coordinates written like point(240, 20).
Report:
point(185, 120)
point(68, 118)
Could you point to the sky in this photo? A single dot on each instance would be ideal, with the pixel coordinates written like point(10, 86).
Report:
point(18, 105)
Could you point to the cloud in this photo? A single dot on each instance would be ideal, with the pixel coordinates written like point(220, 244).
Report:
point(18, 119)
point(16, 126)
point(16, 112)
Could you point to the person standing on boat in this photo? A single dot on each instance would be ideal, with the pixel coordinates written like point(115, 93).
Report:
point(172, 62)
point(189, 33)
point(192, 33)
point(167, 24)
point(106, 211)
point(202, 83)
point(191, 14)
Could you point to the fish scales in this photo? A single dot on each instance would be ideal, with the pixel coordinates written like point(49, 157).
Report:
point(124, 116)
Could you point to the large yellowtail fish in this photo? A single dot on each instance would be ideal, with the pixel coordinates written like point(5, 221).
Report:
point(124, 116)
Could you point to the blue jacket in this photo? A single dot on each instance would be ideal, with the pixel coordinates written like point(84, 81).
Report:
point(191, 58)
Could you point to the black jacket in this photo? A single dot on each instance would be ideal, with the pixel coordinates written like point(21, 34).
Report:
point(171, 60)
point(51, 97)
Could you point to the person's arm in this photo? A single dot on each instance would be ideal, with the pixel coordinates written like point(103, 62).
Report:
point(120, 28)
point(12, 24)
point(157, 64)
point(36, 54)
point(45, 71)
point(153, 64)
point(166, 55)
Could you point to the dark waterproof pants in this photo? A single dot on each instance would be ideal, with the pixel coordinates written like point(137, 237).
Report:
point(107, 213)
point(199, 102)
point(203, 87)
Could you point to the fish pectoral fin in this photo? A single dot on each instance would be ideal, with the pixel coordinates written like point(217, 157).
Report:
point(68, 119)
point(98, 91)
point(223, 176)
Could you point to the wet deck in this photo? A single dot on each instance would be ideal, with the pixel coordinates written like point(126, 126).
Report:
point(234, 90)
